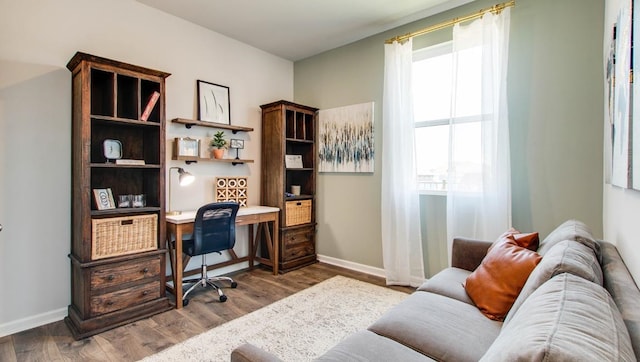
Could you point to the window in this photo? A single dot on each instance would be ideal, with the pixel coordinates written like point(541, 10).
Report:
point(440, 108)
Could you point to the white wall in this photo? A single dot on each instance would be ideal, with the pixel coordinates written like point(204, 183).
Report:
point(621, 206)
point(37, 39)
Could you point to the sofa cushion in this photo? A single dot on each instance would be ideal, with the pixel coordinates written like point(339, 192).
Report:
point(567, 319)
point(496, 283)
point(439, 327)
point(450, 283)
point(368, 346)
point(567, 256)
point(570, 230)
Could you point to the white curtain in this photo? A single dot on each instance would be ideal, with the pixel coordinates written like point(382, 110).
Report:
point(401, 239)
point(479, 204)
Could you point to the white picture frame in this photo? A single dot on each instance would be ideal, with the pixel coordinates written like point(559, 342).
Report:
point(293, 161)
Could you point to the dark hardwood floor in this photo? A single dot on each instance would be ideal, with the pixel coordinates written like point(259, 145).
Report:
point(256, 289)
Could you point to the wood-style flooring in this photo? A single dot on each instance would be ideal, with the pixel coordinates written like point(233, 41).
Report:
point(256, 289)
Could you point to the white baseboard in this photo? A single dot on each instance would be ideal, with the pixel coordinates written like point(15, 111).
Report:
point(32, 322)
point(352, 266)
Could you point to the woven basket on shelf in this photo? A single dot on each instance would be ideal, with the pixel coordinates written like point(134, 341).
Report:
point(298, 212)
point(116, 236)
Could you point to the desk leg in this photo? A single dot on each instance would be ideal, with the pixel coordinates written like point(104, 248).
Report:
point(276, 243)
point(177, 275)
point(252, 249)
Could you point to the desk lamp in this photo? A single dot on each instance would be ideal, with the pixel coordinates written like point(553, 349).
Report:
point(184, 179)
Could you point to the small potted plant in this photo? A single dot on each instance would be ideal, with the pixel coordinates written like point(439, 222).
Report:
point(218, 144)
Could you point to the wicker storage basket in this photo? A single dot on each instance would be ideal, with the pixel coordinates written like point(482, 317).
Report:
point(116, 236)
point(298, 212)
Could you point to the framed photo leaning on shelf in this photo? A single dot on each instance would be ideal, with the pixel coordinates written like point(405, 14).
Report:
point(104, 199)
point(213, 103)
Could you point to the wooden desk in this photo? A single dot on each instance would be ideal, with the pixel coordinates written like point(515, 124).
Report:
point(178, 225)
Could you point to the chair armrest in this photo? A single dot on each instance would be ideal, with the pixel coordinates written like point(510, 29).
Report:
point(250, 353)
point(467, 253)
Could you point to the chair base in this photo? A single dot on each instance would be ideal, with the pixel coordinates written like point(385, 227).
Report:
point(205, 281)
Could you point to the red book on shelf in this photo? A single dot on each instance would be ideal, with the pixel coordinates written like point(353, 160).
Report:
point(153, 99)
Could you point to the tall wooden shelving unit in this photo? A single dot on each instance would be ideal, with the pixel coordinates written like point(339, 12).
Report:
point(117, 255)
point(290, 129)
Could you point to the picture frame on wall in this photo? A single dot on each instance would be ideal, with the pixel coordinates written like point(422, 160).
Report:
point(104, 199)
point(214, 103)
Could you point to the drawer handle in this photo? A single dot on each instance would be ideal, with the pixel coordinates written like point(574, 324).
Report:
point(298, 203)
point(126, 222)
point(109, 303)
point(111, 277)
point(146, 292)
point(145, 270)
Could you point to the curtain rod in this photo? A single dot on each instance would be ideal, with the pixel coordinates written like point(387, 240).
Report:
point(496, 9)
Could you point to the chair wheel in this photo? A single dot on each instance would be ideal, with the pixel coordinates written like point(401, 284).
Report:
point(223, 298)
point(234, 285)
point(185, 302)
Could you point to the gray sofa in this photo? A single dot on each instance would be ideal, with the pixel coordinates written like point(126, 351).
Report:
point(579, 304)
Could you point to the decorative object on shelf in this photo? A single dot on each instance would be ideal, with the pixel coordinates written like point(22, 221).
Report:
point(346, 139)
point(139, 200)
point(112, 149)
point(232, 189)
point(238, 145)
point(104, 199)
point(293, 161)
point(124, 200)
point(186, 148)
point(295, 190)
point(153, 99)
point(184, 179)
point(213, 103)
point(218, 143)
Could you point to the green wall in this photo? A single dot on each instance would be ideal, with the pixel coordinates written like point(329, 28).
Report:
point(555, 102)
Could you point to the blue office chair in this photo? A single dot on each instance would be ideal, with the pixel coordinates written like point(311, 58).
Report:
point(214, 230)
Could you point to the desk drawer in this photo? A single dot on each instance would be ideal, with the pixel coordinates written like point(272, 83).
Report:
point(120, 299)
point(247, 219)
point(111, 275)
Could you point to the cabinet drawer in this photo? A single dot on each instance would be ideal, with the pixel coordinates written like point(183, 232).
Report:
point(107, 276)
point(109, 302)
point(292, 237)
point(298, 251)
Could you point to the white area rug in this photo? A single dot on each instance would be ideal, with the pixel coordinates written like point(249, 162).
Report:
point(300, 327)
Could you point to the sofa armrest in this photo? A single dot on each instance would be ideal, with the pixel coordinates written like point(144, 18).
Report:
point(250, 353)
point(467, 253)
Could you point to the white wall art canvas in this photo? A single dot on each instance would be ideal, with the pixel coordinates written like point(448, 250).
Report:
point(620, 128)
point(346, 139)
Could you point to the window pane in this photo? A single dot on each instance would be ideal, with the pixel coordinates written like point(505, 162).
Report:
point(432, 88)
point(466, 157)
point(432, 157)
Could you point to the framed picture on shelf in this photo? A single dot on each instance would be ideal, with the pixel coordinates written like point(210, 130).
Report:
point(104, 199)
point(236, 143)
point(186, 146)
point(293, 161)
point(213, 103)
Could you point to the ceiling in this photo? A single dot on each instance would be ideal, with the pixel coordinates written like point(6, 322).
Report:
point(297, 29)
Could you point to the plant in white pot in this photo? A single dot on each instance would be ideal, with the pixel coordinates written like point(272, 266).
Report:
point(218, 144)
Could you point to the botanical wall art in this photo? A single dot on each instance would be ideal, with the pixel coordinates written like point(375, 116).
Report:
point(213, 103)
point(346, 139)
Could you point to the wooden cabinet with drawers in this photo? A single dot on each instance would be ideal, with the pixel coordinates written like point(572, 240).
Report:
point(117, 255)
point(289, 178)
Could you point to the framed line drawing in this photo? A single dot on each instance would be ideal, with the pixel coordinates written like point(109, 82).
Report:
point(104, 199)
point(213, 103)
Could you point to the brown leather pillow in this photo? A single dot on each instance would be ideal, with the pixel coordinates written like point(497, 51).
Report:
point(525, 240)
point(496, 283)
